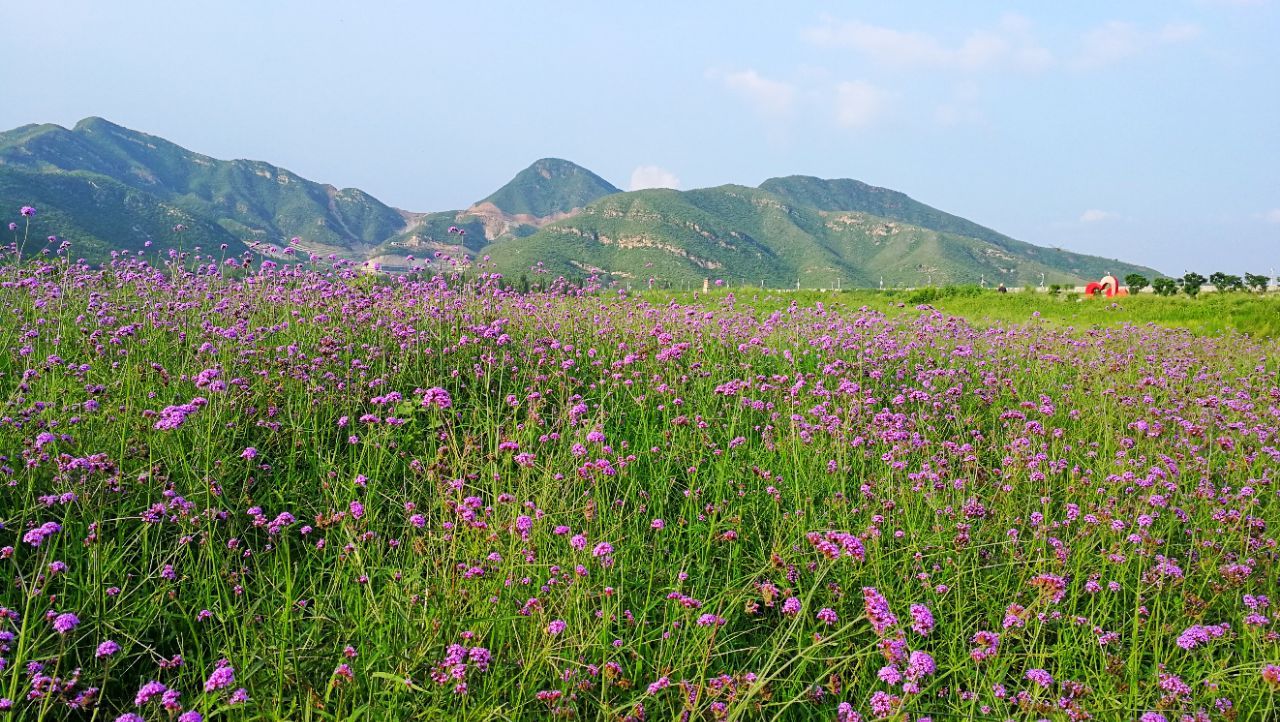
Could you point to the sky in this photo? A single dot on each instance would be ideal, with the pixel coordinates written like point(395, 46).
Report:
point(1145, 130)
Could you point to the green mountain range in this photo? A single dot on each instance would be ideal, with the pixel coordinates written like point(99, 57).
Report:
point(106, 188)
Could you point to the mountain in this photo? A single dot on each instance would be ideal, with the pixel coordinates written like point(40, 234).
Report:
point(99, 215)
point(250, 200)
point(106, 188)
point(548, 187)
point(549, 190)
point(844, 195)
point(749, 236)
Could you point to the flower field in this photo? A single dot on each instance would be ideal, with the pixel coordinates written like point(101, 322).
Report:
point(300, 492)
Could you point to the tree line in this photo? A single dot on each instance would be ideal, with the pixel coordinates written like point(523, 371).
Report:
point(1191, 283)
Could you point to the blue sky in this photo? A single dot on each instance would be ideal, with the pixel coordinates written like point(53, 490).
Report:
point(1148, 131)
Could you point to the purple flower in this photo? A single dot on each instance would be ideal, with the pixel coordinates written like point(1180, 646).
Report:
point(27, 211)
point(130, 717)
point(65, 622)
point(877, 609)
point(249, 453)
point(1198, 634)
point(190, 716)
point(987, 644)
point(148, 692)
point(357, 510)
point(171, 700)
point(556, 627)
point(437, 397)
point(1040, 677)
point(107, 648)
point(222, 677)
point(827, 615)
point(921, 619)
point(791, 606)
point(919, 665)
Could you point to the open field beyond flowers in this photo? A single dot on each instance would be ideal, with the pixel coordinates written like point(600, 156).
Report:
point(303, 493)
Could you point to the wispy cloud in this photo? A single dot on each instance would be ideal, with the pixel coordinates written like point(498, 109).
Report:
point(1114, 41)
point(1008, 45)
point(1271, 216)
point(962, 107)
point(769, 97)
point(652, 176)
point(1235, 3)
point(860, 103)
point(1096, 215)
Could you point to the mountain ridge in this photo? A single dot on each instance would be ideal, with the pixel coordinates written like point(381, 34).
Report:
point(107, 187)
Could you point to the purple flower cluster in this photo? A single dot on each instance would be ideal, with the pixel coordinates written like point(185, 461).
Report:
point(1198, 634)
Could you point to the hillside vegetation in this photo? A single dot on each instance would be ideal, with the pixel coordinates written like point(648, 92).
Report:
point(105, 187)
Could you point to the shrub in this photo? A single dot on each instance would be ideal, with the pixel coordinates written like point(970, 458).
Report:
point(1257, 281)
point(1164, 286)
point(1191, 283)
point(1136, 282)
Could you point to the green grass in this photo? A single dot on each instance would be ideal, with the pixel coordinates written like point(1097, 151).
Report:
point(972, 467)
point(1208, 315)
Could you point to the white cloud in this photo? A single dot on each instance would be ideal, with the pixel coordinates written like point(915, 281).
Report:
point(1009, 45)
point(1178, 32)
point(1115, 41)
point(859, 103)
point(1095, 215)
point(652, 176)
point(962, 108)
point(1272, 216)
point(769, 97)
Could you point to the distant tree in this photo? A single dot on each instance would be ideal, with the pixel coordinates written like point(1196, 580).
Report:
point(523, 284)
point(1256, 281)
point(1055, 289)
point(1136, 282)
point(1164, 286)
point(1192, 282)
point(1226, 281)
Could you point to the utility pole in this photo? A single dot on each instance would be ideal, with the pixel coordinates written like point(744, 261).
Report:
point(837, 284)
point(882, 283)
point(984, 280)
point(797, 284)
point(1041, 280)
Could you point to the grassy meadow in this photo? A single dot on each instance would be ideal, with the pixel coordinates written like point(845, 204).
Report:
point(299, 492)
